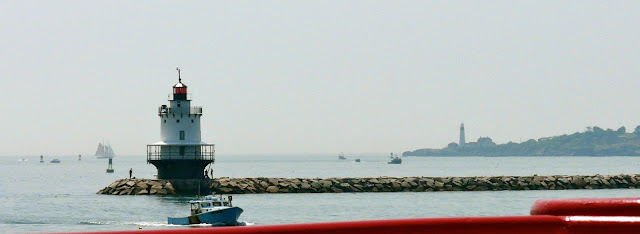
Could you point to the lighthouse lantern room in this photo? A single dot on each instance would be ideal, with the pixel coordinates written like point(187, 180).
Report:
point(181, 154)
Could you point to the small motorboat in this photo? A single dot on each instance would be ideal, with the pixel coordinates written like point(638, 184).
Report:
point(41, 159)
point(55, 160)
point(357, 160)
point(342, 157)
point(214, 210)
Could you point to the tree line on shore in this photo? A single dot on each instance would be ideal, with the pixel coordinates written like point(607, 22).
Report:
point(594, 141)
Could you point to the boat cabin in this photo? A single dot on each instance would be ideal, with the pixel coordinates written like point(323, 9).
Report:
point(210, 203)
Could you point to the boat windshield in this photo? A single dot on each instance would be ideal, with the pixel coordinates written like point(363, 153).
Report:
point(217, 204)
point(225, 203)
point(205, 204)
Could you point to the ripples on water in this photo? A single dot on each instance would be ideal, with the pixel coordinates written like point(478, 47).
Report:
point(45, 197)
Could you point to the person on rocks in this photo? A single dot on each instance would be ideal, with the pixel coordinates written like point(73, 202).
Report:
point(130, 172)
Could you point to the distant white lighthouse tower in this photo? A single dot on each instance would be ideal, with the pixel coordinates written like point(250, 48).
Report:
point(181, 154)
point(462, 140)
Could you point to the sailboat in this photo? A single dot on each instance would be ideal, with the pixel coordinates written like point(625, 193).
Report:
point(104, 151)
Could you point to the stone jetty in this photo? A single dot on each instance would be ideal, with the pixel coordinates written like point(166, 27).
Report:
point(227, 185)
point(139, 187)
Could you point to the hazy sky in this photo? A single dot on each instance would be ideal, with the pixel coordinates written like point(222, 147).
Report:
point(301, 77)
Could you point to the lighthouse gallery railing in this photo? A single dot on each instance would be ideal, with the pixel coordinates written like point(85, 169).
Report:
point(181, 152)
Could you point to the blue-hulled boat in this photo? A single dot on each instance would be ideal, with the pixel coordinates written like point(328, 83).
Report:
point(214, 210)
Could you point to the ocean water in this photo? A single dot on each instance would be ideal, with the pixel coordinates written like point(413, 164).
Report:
point(46, 197)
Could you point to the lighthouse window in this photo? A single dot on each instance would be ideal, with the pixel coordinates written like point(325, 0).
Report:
point(178, 104)
point(181, 135)
point(192, 121)
point(177, 121)
point(182, 150)
point(165, 120)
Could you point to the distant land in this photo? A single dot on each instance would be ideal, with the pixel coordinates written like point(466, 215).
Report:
point(594, 141)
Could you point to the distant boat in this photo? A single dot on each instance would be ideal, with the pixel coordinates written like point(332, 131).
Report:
point(110, 168)
point(341, 157)
point(105, 151)
point(395, 159)
point(79, 157)
point(41, 159)
point(23, 160)
point(55, 160)
point(357, 160)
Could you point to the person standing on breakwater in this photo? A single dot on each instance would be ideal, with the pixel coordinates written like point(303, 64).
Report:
point(130, 172)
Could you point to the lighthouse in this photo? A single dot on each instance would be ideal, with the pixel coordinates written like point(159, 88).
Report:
point(462, 140)
point(180, 154)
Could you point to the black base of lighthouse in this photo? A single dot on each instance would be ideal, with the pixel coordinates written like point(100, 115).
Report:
point(180, 169)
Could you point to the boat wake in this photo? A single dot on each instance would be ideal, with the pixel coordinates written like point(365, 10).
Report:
point(155, 224)
point(140, 224)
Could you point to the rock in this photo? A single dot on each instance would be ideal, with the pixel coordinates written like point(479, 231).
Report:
point(272, 189)
point(457, 182)
point(226, 190)
point(142, 185)
point(130, 183)
point(142, 192)
point(430, 182)
point(578, 181)
point(305, 185)
point(121, 183)
point(283, 190)
point(346, 187)
point(316, 184)
point(169, 187)
point(396, 186)
point(114, 184)
point(336, 190)
point(273, 181)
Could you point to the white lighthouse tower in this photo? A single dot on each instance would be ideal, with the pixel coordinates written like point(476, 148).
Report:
point(462, 140)
point(181, 154)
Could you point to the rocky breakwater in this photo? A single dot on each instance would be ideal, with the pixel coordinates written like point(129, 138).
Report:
point(139, 187)
point(420, 184)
